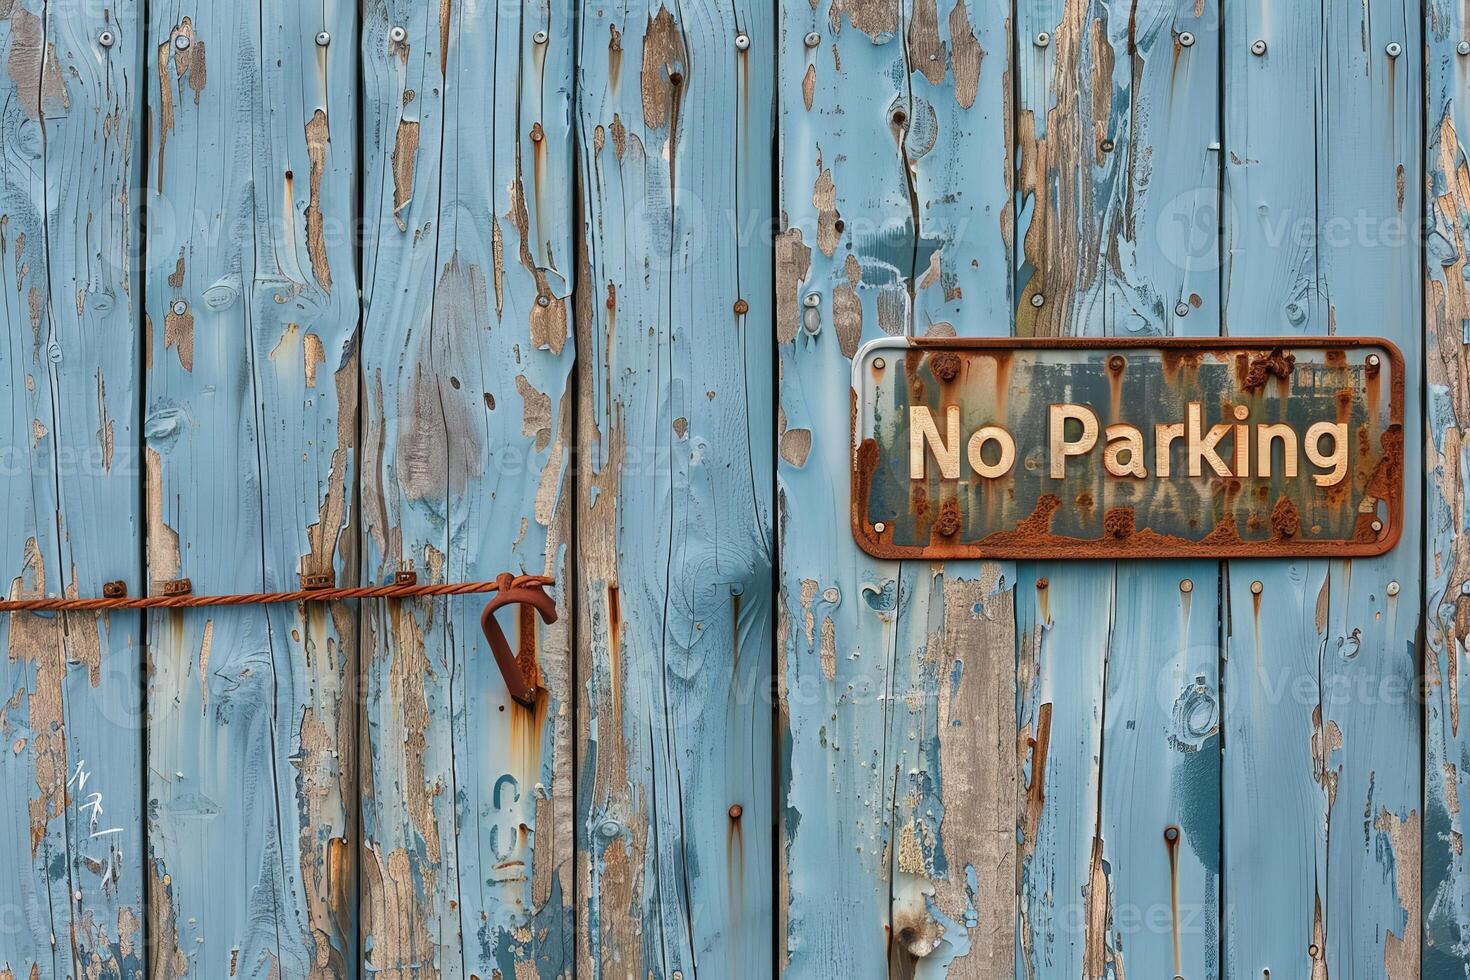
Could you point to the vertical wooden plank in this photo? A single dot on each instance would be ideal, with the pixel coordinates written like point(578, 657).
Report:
point(251, 441)
point(72, 764)
point(1118, 140)
point(1446, 876)
point(897, 681)
point(674, 809)
point(1322, 775)
point(466, 361)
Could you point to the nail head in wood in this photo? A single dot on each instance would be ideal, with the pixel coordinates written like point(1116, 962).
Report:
point(1463, 47)
point(1258, 48)
point(543, 300)
point(1038, 300)
point(736, 810)
point(742, 41)
point(1393, 588)
point(1394, 49)
point(1257, 587)
point(1186, 39)
point(180, 307)
point(1377, 525)
point(1186, 586)
point(813, 39)
point(812, 300)
point(1182, 309)
point(880, 527)
point(540, 37)
point(398, 35)
point(879, 364)
point(107, 39)
point(182, 42)
point(741, 307)
point(1043, 39)
point(323, 39)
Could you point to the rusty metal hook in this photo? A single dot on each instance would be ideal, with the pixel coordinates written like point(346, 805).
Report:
point(519, 673)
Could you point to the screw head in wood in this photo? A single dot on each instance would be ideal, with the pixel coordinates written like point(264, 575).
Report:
point(880, 527)
point(1257, 587)
point(1258, 48)
point(180, 307)
point(742, 41)
point(1186, 39)
point(1463, 47)
point(1182, 309)
point(182, 42)
point(813, 39)
point(323, 39)
point(540, 37)
point(1393, 588)
point(107, 39)
point(398, 34)
point(1394, 49)
point(1038, 300)
point(1186, 585)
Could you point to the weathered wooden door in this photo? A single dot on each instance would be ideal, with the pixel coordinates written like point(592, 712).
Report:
point(573, 288)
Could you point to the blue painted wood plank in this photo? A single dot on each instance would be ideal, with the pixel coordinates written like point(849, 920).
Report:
point(1322, 727)
point(466, 362)
point(899, 714)
point(1446, 876)
point(71, 851)
point(250, 455)
point(1118, 140)
point(675, 537)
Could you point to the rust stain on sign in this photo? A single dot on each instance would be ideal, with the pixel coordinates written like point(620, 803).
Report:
point(1113, 448)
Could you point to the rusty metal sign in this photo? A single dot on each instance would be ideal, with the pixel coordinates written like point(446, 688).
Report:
point(1114, 448)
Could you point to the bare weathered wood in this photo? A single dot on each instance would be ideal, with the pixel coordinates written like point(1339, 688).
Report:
point(1321, 778)
point(71, 829)
point(897, 681)
point(1118, 162)
point(467, 439)
point(675, 542)
point(251, 359)
point(1446, 561)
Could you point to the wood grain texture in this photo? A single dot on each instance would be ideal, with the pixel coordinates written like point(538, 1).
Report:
point(1446, 876)
point(674, 512)
point(71, 846)
point(897, 681)
point(467, 421)
point(250, 428)
point(1321, 723)
point(1118, 138)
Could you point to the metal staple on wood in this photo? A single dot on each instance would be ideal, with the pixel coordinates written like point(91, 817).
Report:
point(404, 588)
